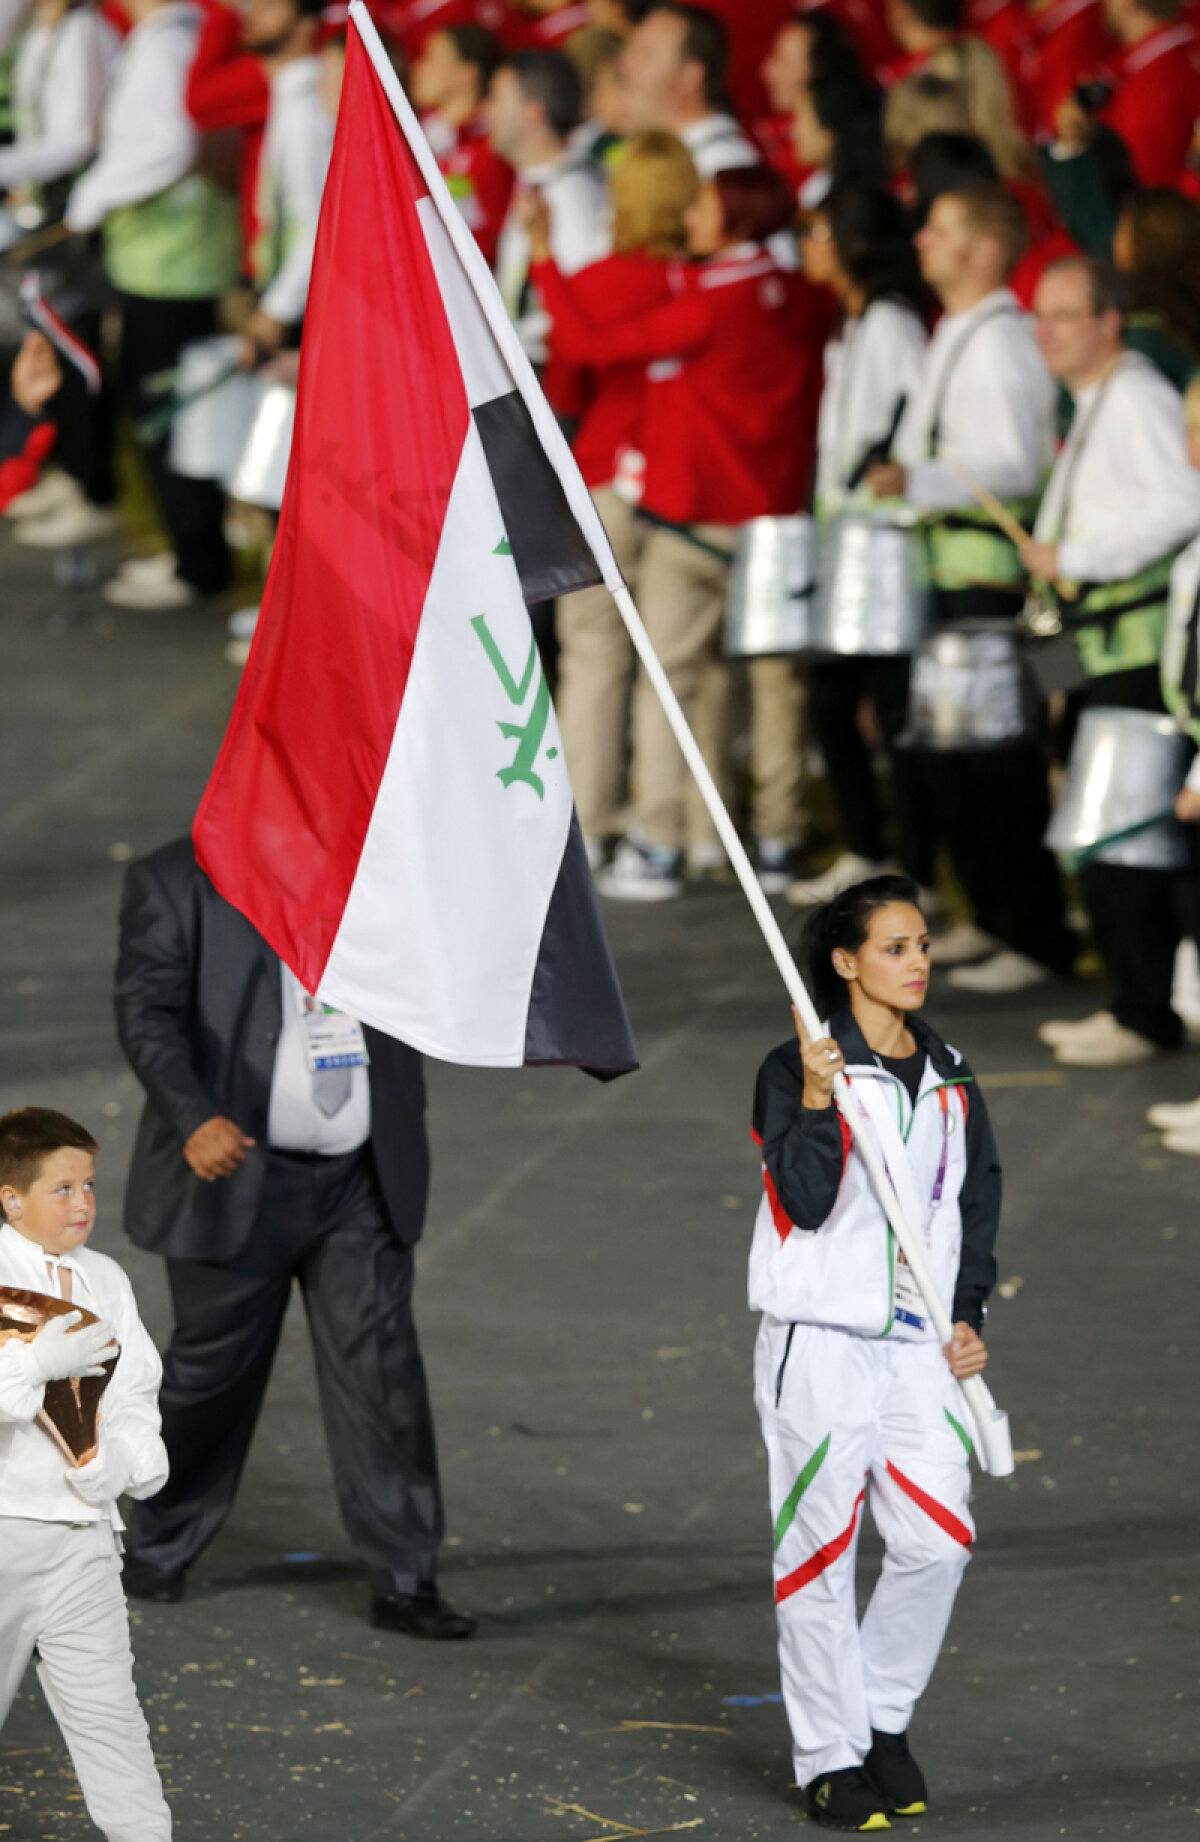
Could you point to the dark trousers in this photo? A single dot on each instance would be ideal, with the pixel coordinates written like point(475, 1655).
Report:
point(153, 333)
point(321, 1223)
point(1138, 917)
point(83, 446)
point(837, 688)
point(990, 808)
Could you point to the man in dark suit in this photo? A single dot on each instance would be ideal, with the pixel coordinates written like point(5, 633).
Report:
point(257, 1163)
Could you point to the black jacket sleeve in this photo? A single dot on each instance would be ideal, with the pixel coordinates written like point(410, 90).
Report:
point(803, 1150)
point(979, 1205)
point(153, 999)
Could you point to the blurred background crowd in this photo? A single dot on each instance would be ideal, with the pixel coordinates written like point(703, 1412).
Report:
point(873, 325)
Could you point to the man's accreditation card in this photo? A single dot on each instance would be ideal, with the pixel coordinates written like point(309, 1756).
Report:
point(331, 1039)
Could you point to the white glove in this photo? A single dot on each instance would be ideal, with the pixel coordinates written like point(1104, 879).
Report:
point(59, 1350)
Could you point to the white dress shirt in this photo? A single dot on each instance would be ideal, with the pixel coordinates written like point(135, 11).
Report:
point(1130, 496)
point(294, 1120)
point(869, 365)
point(59, 79)
point(147, 138)
point(35, 1480)
point(994, 416)
point(295, 159)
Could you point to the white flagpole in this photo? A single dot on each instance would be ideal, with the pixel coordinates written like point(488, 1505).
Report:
point(992, 1443)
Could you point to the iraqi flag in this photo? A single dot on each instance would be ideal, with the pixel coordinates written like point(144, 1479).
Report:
point(390, 807)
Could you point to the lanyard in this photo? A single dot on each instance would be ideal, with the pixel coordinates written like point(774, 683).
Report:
point(1063, 511)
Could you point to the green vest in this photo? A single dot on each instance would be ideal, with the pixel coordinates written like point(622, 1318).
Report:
point(967, 551)
point(180, 245)
point(1123, 642)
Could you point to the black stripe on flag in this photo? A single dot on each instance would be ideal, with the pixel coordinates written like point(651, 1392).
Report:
point(549, 549)
point(576, 1011)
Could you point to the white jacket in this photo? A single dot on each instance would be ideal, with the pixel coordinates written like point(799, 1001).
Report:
point(295, 160)
point(822, 1251)
point(869, 366)
point(59, 79)
point(35, 1480)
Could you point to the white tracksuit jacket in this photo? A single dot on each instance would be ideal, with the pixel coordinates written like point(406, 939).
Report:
point(852, 1387)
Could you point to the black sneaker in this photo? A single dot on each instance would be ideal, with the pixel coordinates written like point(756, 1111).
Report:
point(845, 1800)
point(895, 1774)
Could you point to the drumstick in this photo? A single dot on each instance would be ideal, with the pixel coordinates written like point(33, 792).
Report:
point(18, 253)
point(1001, 516)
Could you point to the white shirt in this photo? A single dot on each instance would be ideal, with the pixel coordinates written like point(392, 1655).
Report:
point(147, 139)
point(295, 159)
point(59, 79)
point(35, 1480)
point(294, 1120)
point(716, 142)
point(869, 366)
point(580, 233)
point(1131, 497)
point(995, 412)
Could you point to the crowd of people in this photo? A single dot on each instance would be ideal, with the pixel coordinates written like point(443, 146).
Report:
point(932, 260)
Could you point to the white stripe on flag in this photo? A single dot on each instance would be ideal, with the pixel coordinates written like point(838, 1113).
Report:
point(456, 865)
point(485, 374)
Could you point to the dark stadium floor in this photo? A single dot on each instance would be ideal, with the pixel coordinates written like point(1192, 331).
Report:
point(583, 1311)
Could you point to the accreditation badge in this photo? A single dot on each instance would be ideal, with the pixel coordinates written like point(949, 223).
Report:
point(331, 1039)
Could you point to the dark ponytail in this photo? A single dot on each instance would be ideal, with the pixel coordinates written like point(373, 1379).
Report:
point(845, 922)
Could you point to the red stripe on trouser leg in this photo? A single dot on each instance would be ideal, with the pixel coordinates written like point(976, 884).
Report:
point(958, 1531)
point(823, 1558)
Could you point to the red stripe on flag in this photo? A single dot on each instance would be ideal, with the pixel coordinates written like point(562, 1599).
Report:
point(381, 420)
point(958, 1531)
point(823, 1558)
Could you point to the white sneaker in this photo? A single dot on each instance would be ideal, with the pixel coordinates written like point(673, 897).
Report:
point(70, 525)
point(237, 652)
point(961, 944)
point(242, 623)
point(1167, 1118)
point(641, 873)
point(1188, 1143)
point(149, 592)
point(1110, 1047)
point(1004, 972)
point(706, 859)
point(842, 873)
point(1071, 1029)
point(160, 566)
point(53, 491)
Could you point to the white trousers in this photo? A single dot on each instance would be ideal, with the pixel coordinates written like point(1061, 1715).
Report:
point(60, 1593)
point(844, 1416)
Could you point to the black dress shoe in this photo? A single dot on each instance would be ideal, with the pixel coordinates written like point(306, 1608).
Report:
point(142, 1580)
point(420, 1615)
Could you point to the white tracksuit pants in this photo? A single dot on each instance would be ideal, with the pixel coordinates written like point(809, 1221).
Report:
point(842, 1415)
point(60, 1593)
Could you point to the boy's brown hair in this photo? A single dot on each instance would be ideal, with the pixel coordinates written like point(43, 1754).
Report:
point(31, 1135)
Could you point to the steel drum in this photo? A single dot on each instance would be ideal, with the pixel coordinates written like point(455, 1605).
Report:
point(262, 470)
point(218, 404)
point(70, 1408)
point(771, 588)
point(969, 688)
point(874, 594)
point(1125, 768)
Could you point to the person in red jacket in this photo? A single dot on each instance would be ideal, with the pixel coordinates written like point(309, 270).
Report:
point(652, 186)
point(449, 83)
point(728, 434)
point(1154, 90)
point(228, 87)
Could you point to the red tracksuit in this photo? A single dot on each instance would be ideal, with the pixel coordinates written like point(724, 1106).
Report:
point(480, 183)
point(1062, 46)
point(733, 366)
point(1156, 101)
